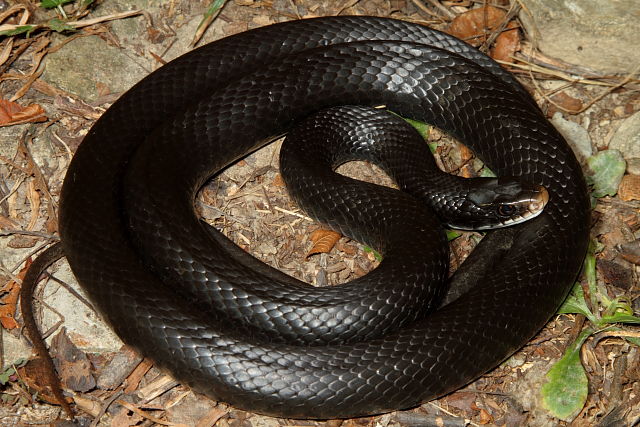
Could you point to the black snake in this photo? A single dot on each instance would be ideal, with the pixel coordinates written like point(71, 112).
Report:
point(226, 99)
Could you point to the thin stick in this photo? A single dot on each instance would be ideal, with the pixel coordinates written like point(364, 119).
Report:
point(76, 24)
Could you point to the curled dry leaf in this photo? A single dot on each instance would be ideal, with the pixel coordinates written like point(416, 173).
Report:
point(506, 44)
point(476, 25)
point(9, 299)
point(12, 113)
point(73, 365)
point(323, 241)
point(34, 374)
point(566, 102)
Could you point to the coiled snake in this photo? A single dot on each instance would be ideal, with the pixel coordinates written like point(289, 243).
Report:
point(226, 99)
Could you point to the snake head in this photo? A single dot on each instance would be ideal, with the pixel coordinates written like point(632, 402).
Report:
point(499, 202)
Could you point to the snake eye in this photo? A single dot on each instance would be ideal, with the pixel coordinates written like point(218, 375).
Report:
point(506, 210)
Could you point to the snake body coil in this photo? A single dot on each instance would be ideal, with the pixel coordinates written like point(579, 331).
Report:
point(218, 103)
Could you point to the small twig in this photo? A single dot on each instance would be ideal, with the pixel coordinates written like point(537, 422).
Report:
point(76, 24)
point(30, 254)
point(293, 213)
point(442, 8)
point(47, 236)
point(72, 291)
point(105, 406)
point(144, 414)
point(529, 66)
point(347, 5)
point(440, 408)
point(266, 197)
point(592, 100)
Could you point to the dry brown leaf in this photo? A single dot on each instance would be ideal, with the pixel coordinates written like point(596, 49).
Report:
point(474, 26)
point(9, 299)
point(278, 181)
point(12, 113)
point(566, 102)
point(347, 248)
point(629, 188)
point(34, 375)
point(6, 223)
point(506, 44)
point(323, 241)
point(73, 365)
point(485, 417)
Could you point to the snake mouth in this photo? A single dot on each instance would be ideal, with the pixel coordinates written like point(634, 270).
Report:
point(531, 208)
point(537, 205)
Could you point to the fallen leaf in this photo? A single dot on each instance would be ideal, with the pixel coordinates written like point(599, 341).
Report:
point(615, 274)
point(73, 365)
point(12, 113)
point(34, 375)
point(606, 170)
point(323, 241)
point(278, 181)
point(629, 188)
point(9, 299)
point(485, 417)
point(461, 400)
point(507, 43)
point(6, 223)
point(474, 26)
point(566, 102)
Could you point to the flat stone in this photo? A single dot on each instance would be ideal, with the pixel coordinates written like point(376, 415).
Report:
point(590, 33)
point(84, 326)
point(627, 141)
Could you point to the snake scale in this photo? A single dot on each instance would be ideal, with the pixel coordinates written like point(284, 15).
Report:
point(214, 105)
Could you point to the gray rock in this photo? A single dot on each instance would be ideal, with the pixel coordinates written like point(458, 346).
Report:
point(591, 33)
point(627, 141)
point(577, 136)
point(82, 65)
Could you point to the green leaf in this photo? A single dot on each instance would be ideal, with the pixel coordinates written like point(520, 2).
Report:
point(620, 318)
point(59, 26)
point(485, 172)
point(50, 4)
point(565, 394)
point(633, 340)
point(422, 128)
point(590, 273)
point(451, 235)
point(19, 30)
point(375, 253)
point(575, 304)
point(4, 376)
point(607, 168)
point(210, 14)
point(11, 370)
